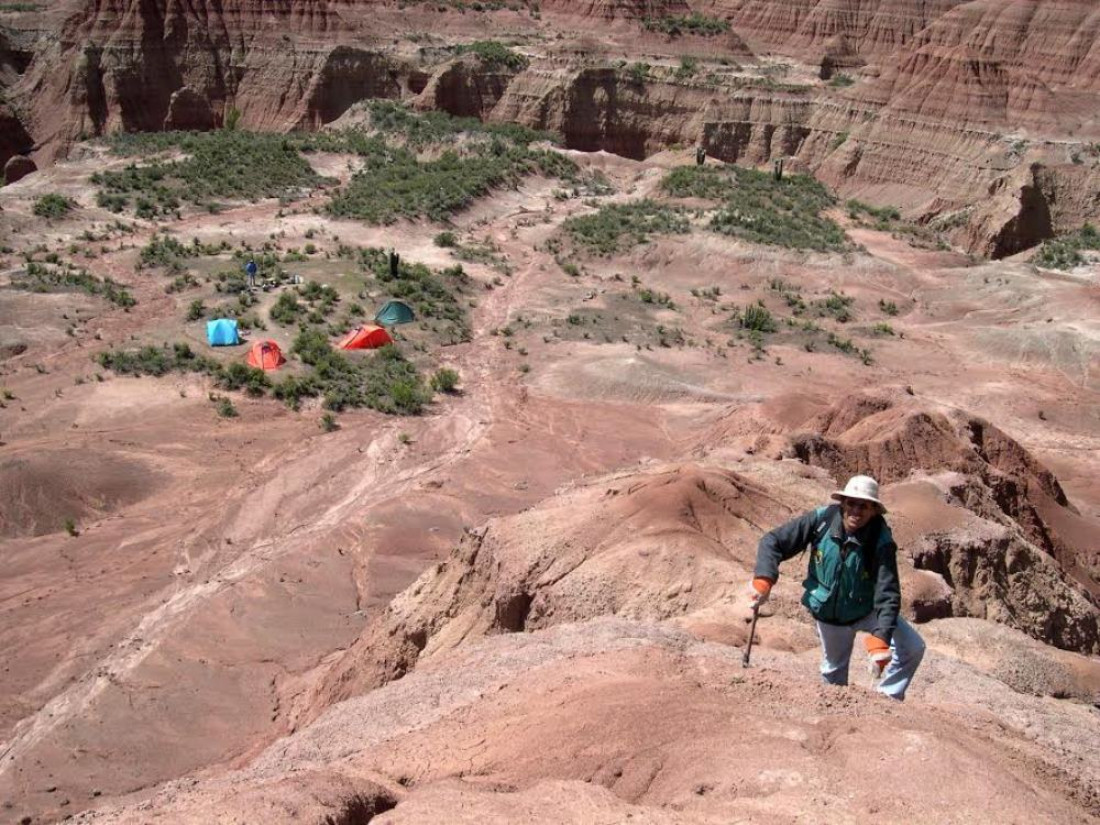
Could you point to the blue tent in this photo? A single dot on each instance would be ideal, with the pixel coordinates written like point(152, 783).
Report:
point(222, 332)
point(394, 313)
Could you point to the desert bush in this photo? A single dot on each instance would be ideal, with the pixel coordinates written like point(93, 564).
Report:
point(445, 380)
point(224, 406)
point(52, 205)
point(238, 376)
point(757, 318)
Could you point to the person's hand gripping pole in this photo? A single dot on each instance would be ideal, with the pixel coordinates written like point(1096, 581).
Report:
point(758, 595)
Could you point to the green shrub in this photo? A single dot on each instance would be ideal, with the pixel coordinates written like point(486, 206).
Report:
point(240, 376)
point(445, 380)
point(328, 423)
point(52, 205)
point(70, 528)
point(225, 407)
point(758, 319)
point(285, 310)
point(446, 239)
point(841, 80)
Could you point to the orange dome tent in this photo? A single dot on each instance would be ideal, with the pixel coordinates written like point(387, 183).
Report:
point(365, 337)
point(265, 355)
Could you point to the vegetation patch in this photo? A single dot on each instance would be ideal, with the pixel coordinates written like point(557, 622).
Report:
point(616, 227)
point(432, 296)
point(63, 277)
point(761, 209)
point(888, 219)
point(1065, 252)
point(695, 23)
point(387, 381)
point(53, 206)
point(418, 130)
point(165, 252)
point(219, 165)
point(495, 54)
point(394, 183)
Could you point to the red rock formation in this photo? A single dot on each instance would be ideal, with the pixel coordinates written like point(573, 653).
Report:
point(1024, 562)
point(18, 167)
point(138, 65)
point(466, 88)
point(617, 9)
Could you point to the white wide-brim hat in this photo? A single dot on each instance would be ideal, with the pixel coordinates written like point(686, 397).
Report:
point(861, 487)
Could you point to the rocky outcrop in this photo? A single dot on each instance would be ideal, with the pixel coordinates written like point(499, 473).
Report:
point(1024, 563)
point(466, 88)
point(147, 65)
point(14, 139)
point(994, 575)
point(18, 167)
point(645, 546)
point(816, 27)
point(631, 10)
point(189, 110)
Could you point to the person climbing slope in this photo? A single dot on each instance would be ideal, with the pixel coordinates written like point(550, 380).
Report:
point(852, 585)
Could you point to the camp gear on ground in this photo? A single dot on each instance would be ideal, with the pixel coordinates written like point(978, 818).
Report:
point(222, 332)
point(837, 642)
point(394, 313)
point(752, 633)
point(860, 487)
point(265, 355)
point(849, 576)
point(365, 337)
point(759, 591)
point(878, 652)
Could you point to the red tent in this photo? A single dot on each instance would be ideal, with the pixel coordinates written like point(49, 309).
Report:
point(365, 337)
point(265, 355)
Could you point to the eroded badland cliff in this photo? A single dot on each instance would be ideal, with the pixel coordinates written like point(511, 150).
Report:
point(497, 571)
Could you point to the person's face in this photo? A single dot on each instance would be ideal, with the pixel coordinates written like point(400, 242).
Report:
point(856, 513)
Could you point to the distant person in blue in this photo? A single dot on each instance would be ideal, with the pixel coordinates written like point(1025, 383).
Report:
point(251, 269)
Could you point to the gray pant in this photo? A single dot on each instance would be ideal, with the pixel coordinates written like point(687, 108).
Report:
point(906, 646)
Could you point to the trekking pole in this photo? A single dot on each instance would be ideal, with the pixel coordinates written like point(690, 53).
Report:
point(752, 632)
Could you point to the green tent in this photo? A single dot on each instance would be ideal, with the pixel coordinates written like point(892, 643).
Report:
point(394, 313)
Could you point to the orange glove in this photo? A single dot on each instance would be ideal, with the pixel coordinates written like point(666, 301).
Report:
point(759, 592)
point(879, 653)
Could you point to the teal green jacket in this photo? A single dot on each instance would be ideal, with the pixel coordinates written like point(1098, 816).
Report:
point(847, 579)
